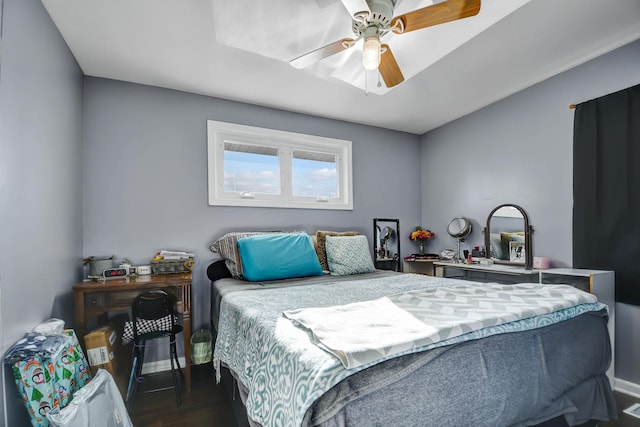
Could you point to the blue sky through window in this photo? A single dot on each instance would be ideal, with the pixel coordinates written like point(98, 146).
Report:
point(314, 178)
point(259, 174)
point(256, 173)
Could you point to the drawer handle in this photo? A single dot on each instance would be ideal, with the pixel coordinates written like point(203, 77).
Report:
point(94, 301)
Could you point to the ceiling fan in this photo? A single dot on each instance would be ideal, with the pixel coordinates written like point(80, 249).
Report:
point(373, 19)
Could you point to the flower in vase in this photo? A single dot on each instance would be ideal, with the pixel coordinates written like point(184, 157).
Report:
point(420, 235)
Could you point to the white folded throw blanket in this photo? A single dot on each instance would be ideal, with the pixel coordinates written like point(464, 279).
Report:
point(362, 332)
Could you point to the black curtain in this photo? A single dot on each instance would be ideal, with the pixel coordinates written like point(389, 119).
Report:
point(606, 189)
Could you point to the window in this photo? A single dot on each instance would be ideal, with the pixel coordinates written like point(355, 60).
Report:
point(250, 166)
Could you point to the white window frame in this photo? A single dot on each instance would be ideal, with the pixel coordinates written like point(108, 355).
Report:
point(286, 142)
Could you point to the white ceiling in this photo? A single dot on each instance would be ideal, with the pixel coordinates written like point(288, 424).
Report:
point(239, 50)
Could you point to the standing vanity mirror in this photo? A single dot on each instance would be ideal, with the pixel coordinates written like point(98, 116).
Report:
point(508, 236)
point(459, 228)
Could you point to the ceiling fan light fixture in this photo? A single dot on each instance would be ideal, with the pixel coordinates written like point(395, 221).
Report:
point(374, 19)
point(371, 53)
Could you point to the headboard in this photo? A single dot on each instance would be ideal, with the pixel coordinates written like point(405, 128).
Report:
point(218, 270)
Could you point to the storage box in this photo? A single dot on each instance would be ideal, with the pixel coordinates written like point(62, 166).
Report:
point(102, 346)
point(169, 266)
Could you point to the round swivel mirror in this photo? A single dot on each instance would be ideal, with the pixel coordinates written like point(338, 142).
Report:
point(459, 228)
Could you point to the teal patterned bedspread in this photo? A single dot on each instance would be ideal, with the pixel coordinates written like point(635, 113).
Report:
point(286, 372)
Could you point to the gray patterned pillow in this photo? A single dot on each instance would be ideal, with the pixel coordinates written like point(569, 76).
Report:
point(348, 255)
point(227, 247)
point(321, 238)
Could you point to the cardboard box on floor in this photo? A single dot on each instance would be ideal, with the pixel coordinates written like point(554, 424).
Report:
point(105, 349)
point(117, 355)
point(102, 349)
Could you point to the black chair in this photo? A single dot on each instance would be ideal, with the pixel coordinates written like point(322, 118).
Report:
point(154, 316)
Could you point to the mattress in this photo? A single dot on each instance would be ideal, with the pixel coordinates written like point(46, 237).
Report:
point(518, 378)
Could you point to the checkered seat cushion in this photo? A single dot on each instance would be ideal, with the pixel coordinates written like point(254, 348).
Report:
point(147, 326)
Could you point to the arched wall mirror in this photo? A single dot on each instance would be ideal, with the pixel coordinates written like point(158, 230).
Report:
point(508, 236)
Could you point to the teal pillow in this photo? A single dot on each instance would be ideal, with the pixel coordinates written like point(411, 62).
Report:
point(278, 256)
point(348, 255)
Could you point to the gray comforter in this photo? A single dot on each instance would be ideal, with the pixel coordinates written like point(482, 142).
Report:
point(516, 379)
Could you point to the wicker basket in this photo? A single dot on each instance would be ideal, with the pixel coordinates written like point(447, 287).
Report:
point(168, 266)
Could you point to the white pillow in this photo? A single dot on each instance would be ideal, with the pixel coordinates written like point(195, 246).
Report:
point(348, 255)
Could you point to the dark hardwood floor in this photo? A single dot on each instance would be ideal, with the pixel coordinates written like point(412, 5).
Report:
point(624, 420)
point(208, 405)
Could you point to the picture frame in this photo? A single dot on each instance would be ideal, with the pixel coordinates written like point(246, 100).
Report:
point(517, 252)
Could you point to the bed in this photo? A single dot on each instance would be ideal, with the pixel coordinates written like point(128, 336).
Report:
point(545, 368)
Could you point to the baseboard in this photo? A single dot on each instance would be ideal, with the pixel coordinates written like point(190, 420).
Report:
point(160, 366)
point(627, 387)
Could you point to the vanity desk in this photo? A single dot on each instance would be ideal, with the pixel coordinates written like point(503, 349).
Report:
point(598, 282)
point(508, 243)
point(498, 273)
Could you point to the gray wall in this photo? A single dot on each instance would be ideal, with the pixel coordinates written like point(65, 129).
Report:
point(40, 179)
point(519, 150)
point(145, 175)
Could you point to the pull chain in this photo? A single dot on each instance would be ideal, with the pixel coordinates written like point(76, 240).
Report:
point(366, 83)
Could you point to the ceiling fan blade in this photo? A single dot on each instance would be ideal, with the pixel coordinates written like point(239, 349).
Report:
point(439, 13)
point(355, 6)
point(321, 53)
point(389, 69)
